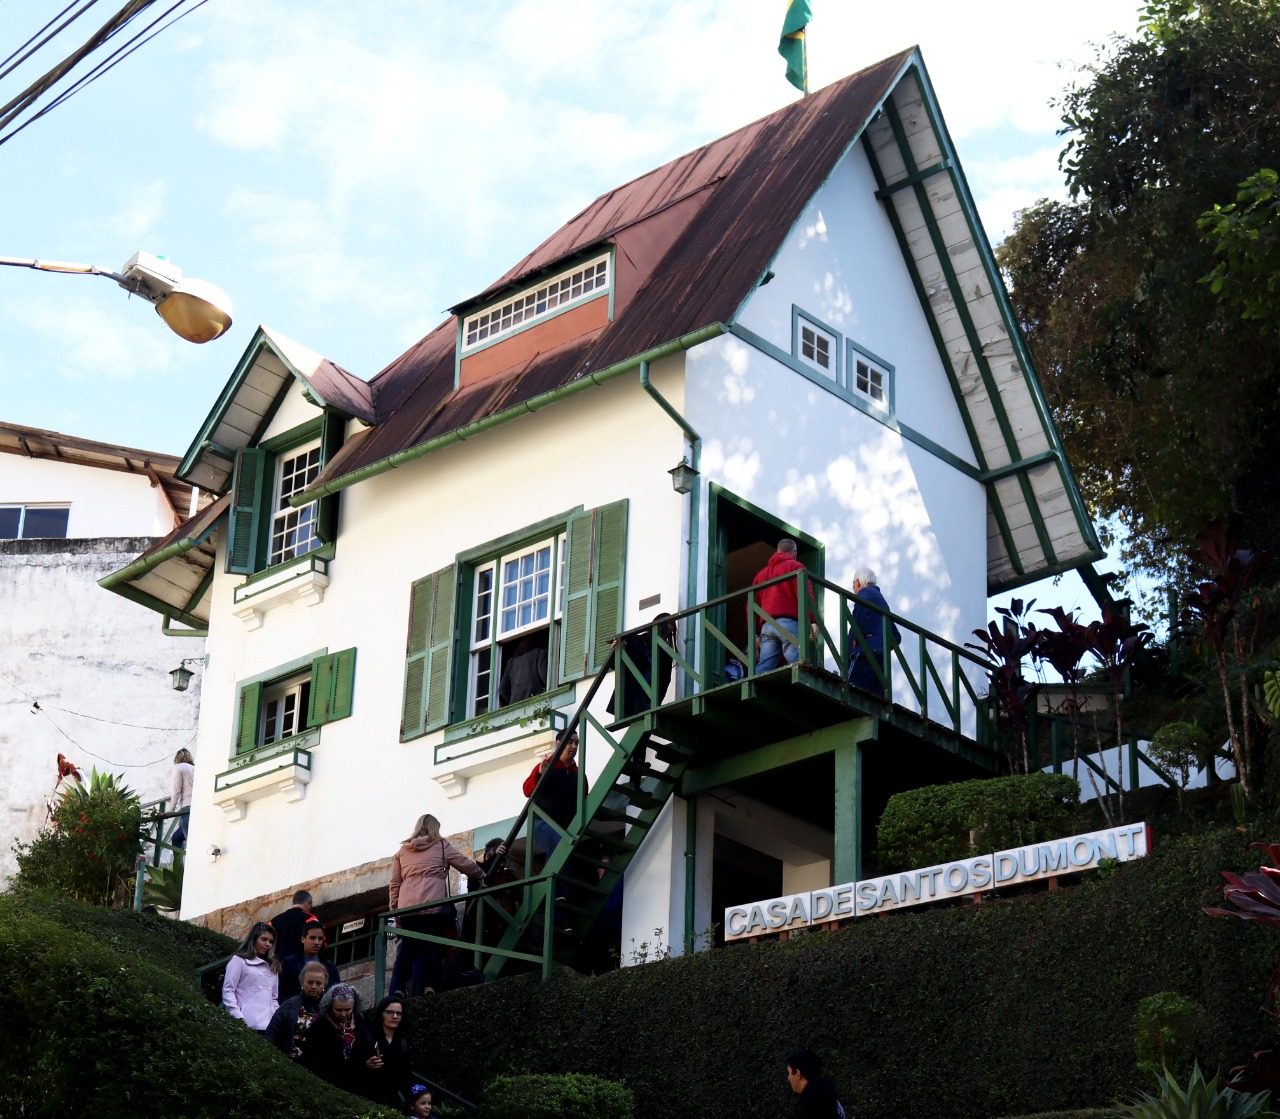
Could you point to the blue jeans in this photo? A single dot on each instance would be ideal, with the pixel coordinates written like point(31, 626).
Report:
point(179, 836)
point(774, 648)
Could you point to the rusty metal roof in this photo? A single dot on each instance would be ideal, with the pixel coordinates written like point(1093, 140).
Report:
point(692, 238)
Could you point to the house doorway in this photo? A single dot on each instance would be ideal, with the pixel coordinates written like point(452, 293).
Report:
point(742, 537)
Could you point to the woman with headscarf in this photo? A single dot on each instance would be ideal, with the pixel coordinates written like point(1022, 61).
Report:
point(419, 875)
point(331, 1047)
point(250, 988)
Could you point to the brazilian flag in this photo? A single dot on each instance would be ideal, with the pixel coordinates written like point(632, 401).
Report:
point(791, 45)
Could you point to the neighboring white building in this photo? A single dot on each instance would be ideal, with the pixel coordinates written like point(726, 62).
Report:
point(805, 311)
point(72, 511)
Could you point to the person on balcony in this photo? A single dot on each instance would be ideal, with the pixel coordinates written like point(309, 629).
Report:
point(778, 641)
point(250, 990)
point(639, 648)
point(184, 775)
point(313, 942)
point(869, 610)
point(420, 874)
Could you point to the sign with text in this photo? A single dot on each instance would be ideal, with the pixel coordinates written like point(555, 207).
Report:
point(938, 883)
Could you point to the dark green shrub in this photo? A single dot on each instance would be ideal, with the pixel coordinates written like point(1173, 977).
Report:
point(89, 851)
point(1166, 1031)
point(112, 1025)
point(1012, 1007)
point(1180, 749)
point(543, 1096)
point(940, 823)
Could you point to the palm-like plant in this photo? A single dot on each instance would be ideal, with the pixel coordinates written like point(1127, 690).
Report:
point(1201, 1099)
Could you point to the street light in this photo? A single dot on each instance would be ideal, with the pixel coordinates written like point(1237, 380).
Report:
point(181, 676)
point(193, 309)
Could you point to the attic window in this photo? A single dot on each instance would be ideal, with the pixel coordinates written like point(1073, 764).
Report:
point(556, 293)
point(868, 379)
point(817, 348)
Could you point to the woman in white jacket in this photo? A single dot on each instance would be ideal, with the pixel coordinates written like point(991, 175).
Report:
point(250, 990)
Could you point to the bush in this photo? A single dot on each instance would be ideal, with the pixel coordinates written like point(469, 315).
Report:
point(1013, 1007)
point(90, 851)
point(556, 1097)
point(1181, 749)
point(941, 823)
point(112, 1024)
point(1166, 1031)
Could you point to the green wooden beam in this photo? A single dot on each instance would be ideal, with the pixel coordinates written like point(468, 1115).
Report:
point(775, 756)
point(847, 863)
point(911, 180)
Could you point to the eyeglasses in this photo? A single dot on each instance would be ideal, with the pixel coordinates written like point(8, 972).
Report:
point(394, 1013)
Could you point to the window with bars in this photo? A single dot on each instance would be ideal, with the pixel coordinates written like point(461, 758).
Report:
point(569, 287)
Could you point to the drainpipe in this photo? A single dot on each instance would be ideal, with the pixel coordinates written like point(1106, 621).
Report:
point(695, 503)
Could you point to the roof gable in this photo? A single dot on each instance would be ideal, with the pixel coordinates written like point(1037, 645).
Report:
point(269, 365)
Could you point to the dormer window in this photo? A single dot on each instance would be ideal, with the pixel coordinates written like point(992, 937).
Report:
point(817, 348)
point(573, 286)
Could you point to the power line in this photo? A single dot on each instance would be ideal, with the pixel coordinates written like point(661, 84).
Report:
point(85, 715)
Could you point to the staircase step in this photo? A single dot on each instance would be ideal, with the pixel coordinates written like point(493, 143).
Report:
point(616, 816)
point(640, 798)
point(637, 769)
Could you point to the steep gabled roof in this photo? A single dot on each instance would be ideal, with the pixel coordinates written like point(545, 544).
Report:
point(251, 397)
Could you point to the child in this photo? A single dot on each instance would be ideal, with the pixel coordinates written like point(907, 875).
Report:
point(420, 1101)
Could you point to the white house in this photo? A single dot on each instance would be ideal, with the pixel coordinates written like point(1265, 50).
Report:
point(82, 675)
point(806, 315)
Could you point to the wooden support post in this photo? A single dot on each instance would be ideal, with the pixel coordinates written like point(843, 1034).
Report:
point(848, 815)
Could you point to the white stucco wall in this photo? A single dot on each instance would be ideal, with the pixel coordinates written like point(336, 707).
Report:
point(367, 788)
point(103, 502)
point(843, 265)
point(99, 667)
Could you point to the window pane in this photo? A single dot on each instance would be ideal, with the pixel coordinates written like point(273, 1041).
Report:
point(10, 518)
point(45, 522)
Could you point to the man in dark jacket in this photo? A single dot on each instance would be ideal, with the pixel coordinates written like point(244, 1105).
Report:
point(816, 1094)
point(312, 944)
point(776, 641)
point(289, 925)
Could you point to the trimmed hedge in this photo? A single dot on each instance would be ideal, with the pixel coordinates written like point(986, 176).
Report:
point(941, 823)
point(106, 1020)
point(1011, 1007)
point(543, 1096)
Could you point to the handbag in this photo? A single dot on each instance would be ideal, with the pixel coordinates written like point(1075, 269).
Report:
point(449, 911)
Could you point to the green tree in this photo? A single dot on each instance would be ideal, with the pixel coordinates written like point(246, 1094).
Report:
point(1166, 396)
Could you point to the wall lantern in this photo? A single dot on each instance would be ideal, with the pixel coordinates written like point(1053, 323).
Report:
point(181, 676)
point(683, 477)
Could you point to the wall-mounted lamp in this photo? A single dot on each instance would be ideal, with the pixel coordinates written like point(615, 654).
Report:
point(683, 477)
point(216, 852)
point(181, 675)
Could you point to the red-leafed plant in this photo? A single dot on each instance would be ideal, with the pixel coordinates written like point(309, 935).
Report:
point(1006, 645)
point(1213, 611)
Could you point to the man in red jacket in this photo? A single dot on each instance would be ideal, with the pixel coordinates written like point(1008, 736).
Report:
point(780, 601)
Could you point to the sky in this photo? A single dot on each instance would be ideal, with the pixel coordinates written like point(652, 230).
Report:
point(346, 172)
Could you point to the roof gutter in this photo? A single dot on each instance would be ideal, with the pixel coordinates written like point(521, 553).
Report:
point(145, 564)
point(535, 404)
point(695, 496)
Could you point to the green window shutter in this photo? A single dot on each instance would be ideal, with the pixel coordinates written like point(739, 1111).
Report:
point(247, 500)
point(247, 723)
point(608, 572)
point(577, 603)
point(421, 602)
point(344, 679)
point(321, 686)
point(335, 427)
point(440, 653)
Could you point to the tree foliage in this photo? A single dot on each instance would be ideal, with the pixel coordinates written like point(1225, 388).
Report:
point(1166, 397)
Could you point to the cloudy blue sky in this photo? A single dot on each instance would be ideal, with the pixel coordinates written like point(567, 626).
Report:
point(347, 171)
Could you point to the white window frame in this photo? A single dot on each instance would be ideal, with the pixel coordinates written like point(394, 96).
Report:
point(294, 528)
point(578, 284)
point(285, 704)
point(876, 375)
point(820, 334)
point(22, 518)
point(490, 630)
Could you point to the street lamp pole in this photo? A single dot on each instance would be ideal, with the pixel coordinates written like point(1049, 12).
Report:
point(195, 310)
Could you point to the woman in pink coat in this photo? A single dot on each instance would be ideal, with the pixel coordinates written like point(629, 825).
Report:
point(419, 874)
point(250, 989)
